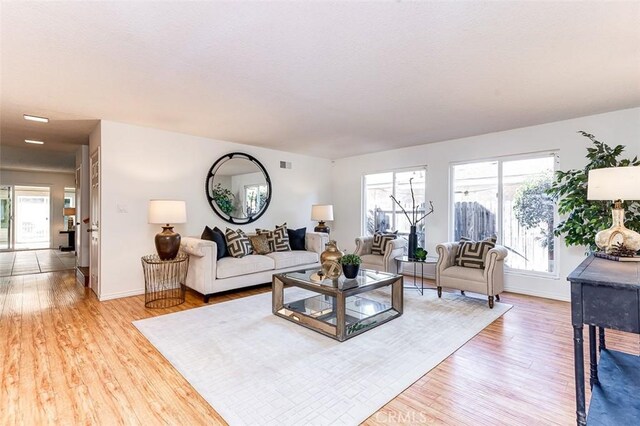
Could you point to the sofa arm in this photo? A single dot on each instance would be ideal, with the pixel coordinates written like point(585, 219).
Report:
point(202, 263)
point(446, 256)
point(316, 241)
point(494, 270)
point(363, 245)
point(393, 249)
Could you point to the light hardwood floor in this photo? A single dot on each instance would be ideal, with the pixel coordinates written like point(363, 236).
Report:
point(66, 358)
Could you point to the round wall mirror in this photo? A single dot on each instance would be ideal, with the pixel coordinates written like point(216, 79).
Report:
point(238, 188)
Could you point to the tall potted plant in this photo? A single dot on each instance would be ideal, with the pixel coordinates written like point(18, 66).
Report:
point(585, 218)
point(414, 220)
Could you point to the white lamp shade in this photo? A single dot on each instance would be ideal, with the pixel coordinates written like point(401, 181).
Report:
point(322, 212)
point(614, 183)
point(167, 211)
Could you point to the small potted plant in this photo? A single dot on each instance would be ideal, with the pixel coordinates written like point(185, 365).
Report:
point(350, 265)
point(421, 254)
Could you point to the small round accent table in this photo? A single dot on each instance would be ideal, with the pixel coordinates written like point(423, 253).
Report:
point(164, 280)
point(405, 259)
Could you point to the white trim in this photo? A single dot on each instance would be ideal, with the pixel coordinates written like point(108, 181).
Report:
point(510, 157)
point(562, 296)
point(121, 294)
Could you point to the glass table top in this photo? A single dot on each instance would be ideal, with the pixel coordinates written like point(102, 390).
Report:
point(366, 277)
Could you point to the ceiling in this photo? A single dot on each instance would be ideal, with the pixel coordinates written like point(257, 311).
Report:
point(325, 79)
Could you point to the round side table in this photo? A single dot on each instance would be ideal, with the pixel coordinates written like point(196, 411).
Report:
point(405, 259)
point(164, 280)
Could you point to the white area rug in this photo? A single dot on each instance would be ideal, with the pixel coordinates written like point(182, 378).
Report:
point(255, 368)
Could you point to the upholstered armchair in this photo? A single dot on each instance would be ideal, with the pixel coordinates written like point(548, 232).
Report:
point(385, 262)
point(488, 281)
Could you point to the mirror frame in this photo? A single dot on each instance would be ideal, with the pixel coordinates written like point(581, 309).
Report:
point(209, 181)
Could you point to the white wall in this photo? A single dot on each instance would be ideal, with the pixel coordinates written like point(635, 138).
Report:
point(139, 164)
point(57, 182)
point(619, 127)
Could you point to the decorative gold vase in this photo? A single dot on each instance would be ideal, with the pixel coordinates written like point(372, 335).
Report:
point(332, 252)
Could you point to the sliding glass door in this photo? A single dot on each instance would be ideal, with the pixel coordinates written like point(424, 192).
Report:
point(32, 208)
point(6, 217)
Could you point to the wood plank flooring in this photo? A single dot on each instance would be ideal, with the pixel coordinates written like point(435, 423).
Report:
point(66, 358)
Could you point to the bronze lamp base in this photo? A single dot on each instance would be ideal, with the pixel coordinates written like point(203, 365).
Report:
point(322, 227)
point(167, 243)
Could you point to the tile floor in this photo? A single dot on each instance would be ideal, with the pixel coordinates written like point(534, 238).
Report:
point(35, 261)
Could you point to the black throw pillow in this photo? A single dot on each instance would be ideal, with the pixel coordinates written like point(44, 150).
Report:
point(296, 238)
point(217, 236)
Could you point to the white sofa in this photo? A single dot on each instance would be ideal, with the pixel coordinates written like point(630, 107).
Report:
point(208, 276)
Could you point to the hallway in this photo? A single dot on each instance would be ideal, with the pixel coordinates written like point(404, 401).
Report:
point(35, 261)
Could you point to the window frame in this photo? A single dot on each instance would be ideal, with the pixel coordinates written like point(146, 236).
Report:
point(555, 275)
point(395, 210)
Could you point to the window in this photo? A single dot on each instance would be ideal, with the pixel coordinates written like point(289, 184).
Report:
point(69, 197)
point(381, 213)
point(507, 198)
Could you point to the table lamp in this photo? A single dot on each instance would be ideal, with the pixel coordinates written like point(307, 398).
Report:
point(167, 212)
point(70, 212)
point(617, 184)
point(322, 212)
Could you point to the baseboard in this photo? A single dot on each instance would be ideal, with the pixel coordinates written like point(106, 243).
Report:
point(104, 297)
point(539, 293)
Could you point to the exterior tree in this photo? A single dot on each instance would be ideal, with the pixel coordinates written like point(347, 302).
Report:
point(585, 217)
point(533, 207)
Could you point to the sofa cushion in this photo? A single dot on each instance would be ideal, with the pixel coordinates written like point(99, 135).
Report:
point(238, 243)
point(278, 239)
point(380, 242)
point(372, 259)
point(217, 236)
point(234, 266)
point(473, 254)
point(296, 238)
point(287, 259)
point(463, 273)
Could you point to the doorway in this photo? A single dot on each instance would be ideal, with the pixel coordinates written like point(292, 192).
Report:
point(30, 218)
point(6, 217)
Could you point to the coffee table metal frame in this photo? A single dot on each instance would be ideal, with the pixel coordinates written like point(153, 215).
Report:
point(339, 330)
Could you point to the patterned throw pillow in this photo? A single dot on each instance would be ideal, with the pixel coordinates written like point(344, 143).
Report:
point(260, 244)
point(473, 254)
point(380, 241)
point(238, 243)
point(278, 239)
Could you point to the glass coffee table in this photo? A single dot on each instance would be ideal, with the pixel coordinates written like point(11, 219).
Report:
point(342, 308)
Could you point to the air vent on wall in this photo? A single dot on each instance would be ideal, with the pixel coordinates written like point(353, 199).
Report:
point(285, 164)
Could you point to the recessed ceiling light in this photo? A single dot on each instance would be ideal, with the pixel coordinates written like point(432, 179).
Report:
point(34, 142)
point(35, 118)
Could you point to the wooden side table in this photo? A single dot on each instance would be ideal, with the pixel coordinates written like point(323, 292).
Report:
point(164, 280)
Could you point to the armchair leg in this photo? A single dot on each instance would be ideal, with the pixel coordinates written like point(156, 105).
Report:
point(439, 291)
point(491, 302)
point(206, 298)
point(498, 297)
point(462, 292)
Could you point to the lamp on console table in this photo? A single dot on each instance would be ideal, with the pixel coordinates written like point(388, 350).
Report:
point(617, 184)
point(322, 212)
point(70, 212)
point(167, 212)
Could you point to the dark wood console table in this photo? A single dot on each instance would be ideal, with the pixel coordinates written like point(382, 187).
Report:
point(606, 294)
point(71, 238)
